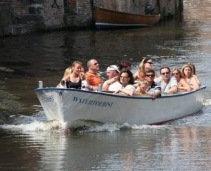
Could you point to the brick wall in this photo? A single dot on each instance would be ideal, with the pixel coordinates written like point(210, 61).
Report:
point(78, 13)
point(50, 14)
point(5, 17)
point(53, 13)
point(82, 15)
point(44, 14)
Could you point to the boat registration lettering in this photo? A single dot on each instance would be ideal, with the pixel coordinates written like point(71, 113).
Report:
point(47, 99)
point(92, 102)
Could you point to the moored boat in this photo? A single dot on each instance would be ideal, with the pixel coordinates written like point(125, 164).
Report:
point(105, 18)
point(69, 105)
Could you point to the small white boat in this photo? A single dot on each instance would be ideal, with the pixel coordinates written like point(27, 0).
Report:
point(69, 105)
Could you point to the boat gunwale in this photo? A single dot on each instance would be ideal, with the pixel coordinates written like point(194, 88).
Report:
point(120, 96)
point(104, 9)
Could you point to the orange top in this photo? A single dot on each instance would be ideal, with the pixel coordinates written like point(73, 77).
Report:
point(93, 79)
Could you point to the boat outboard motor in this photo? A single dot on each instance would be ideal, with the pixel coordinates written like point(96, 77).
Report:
point(148, 8)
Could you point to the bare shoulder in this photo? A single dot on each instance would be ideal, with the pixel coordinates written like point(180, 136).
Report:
point(182, 80)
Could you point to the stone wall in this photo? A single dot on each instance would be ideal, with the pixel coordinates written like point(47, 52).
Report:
point(5, 17)
point(78, 13)
point(22, 20)
point(31, 15)
point(81, 10)
point(53, 14)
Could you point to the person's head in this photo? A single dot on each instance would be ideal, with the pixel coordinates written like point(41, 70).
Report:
point(112, 71)
point(143, 85)
point(193, 67)
point(126, 77)
point(145, 64)
point(76, 67)
point(165, 73)
point(124, 64)
point(176, 73)
point(187, 71)
point(93, 65)
point(149, 75)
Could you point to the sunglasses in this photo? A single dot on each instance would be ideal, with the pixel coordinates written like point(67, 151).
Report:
point(96, 63)
point(175, 73)
point(150, 63)
point(150, 75)
point(165, 73)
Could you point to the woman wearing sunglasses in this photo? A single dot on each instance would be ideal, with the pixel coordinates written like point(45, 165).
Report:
point(145, 64)
point(182, 84)
point(167, 83)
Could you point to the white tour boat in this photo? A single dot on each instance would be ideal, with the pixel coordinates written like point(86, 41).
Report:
point(69, 105)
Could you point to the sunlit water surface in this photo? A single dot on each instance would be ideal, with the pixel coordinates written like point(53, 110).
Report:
point(31, 142)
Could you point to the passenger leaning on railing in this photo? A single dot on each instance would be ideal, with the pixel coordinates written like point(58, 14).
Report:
point(153, 90)
point(72, 79)
point(147, 86)
point(194, 73)
point(182, 84)
point(167, 83)
point(126, 79)
point(187, 72)
point(112, 83)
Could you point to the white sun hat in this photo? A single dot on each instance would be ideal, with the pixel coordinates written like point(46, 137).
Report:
point(113, 68)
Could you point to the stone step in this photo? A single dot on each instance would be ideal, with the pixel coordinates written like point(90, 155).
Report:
point(17, 29)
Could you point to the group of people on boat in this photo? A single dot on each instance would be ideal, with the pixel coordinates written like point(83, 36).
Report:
point(122, 81)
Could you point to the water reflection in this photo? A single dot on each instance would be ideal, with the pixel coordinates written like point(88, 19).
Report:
point(166, 148)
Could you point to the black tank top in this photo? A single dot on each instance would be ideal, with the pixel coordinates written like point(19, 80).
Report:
point(77, 85)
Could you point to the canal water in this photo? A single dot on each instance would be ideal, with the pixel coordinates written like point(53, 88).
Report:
point(29, 142)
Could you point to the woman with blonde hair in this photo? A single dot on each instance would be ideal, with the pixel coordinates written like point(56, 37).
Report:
point(67, 71)
point(182, 84)
point(145, 64)
point(187, 73)
point(72, 79)
point(194, 73)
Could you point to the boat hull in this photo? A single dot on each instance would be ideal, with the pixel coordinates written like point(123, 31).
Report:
point(105, 18)
point(69, 105)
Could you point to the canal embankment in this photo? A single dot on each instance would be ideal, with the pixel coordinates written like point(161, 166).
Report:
point(19, 17)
